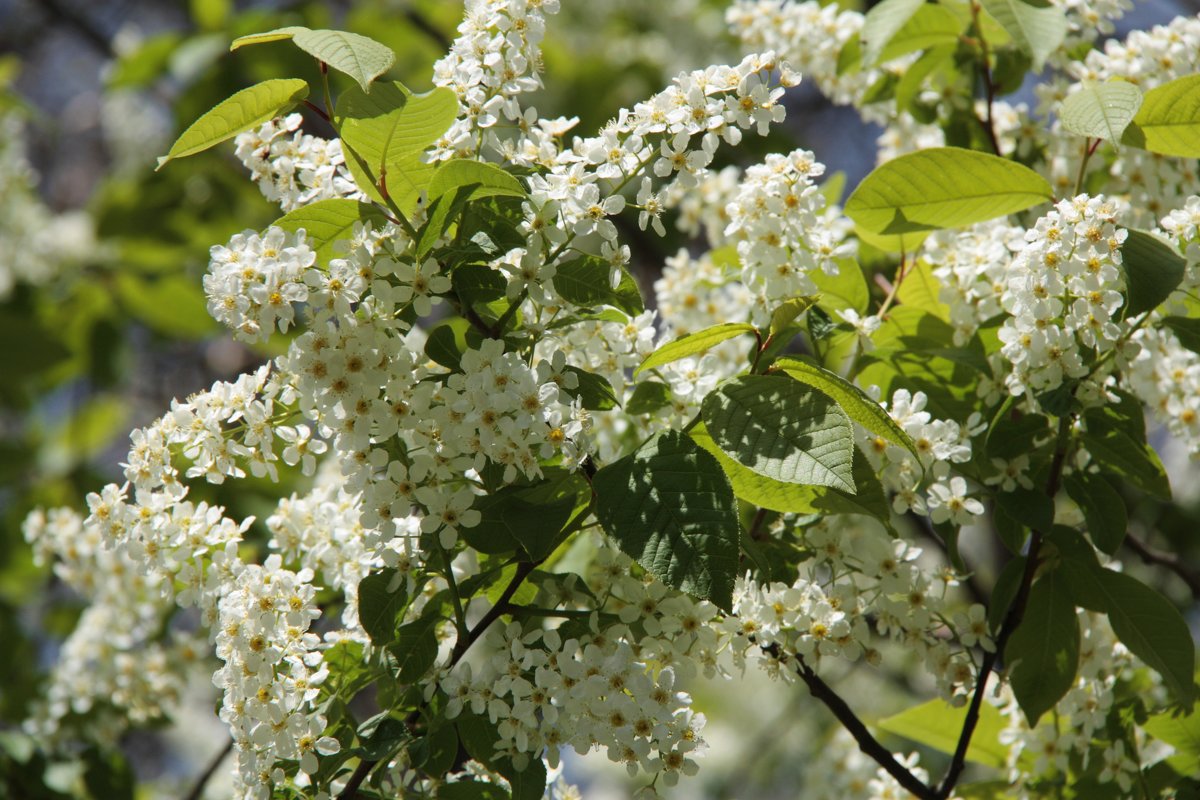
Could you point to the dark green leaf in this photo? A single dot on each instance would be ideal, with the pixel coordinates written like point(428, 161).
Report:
point(1102, 507)
point(378, 607)
point(1153, 269)
point(1187, 330)
point(648, 397)
point(449, 340)
point(585, 281)
point(415, 648)
point(594, 391)
point(1116, 451)
point(670, 507)
point(1043, 652)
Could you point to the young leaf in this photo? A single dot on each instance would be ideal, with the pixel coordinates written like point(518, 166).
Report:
point(693, 343)
point(329, 221)
point(670, 507)
point(1037, 28)
point(1044, 649)
point(943, 187)
point(485, 180)
point(585, 281)
point(360, 57)
point(1101, 110)
point(854, 401)
point(1102, 508)
point(845, 290)
point(1153, 269)
point(277, 35)
point(378, 607)
point(1169, 119)
point(937, 724)
point(780, 428)
point(787, 311)
point(931, 26)
point(1181, 731)
point(795, 498)
point(882, 23)
point(244, 110)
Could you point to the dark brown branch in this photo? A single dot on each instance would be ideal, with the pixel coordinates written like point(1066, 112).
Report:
point(197, 790)
point(850, 721)
point(1152, 555)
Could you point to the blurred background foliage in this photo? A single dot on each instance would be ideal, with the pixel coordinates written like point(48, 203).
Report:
point(112, 324)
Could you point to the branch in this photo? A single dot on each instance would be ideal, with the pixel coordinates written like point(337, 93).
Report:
point(850, 721)
point(197, 790)
point(1012, 619)
point(1152, 555)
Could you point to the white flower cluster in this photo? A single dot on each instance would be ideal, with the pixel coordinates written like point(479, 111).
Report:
point(253, 282)
point(972, 267)
point(1062, 295)
point(778, 221)
point(272, 674)
point(493, 61)
point(860, 578)
point(940, 443)
point(607, 685)
point(849, 772)
point(35, 243)
point(293, 168)
point(113, 669)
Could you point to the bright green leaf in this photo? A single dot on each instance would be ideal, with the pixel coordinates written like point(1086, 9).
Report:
point(1101, 110)
point(787, 311)
point(1169, 119)
point(943, 187)
point(882, 23)
point(326, 222)
point(857, 404)
point(845, 290)
point(780, 428)
point(930, 26)
point(246, 109)
point(486, 180)
point(1181, 731)
point(358, 56)
point(693, 343)
point(1153, 269)
point(1037, 29)
point(1044, 649)
point(277, 35)
point(937, 724)
point(670, 507)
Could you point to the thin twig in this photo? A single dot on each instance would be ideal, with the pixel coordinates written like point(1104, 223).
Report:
point(197, 790)
point(989, 125)
point(1152, 555)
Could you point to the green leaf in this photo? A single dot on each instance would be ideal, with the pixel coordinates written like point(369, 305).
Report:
point(882, 23)
point(1029, 507)
point(277, 35)
point(1153, 269)
point(415, 648)
point(1013, 434)
point(930, 26)
point(329, 221)
point(386, 131)
point(920, 289)
point(857, 404)
point(1186, 329)
point(1169, 120)
point(378, 607)
point(937, 724)
point(485, 180)
point(585, 282)
point(788, 310)
point(1181, 731)
point(846, 290)
point(693, 343)
point(174, 305)
point(670, 507)
point(434, 752)
point(246, 109)
point(648, 397)
point(471, 790)
point(449, 340)
point(475, 283)
point(795, 498)
point(1117, 451)
point(1101, 110)
point(913, 79)
point(1037, 29)
point(780, 428)
point(943, 187)
point(358, 56)
point(594, 391)
point(1102, 508)
point(1044, 650)
point(528, 783)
